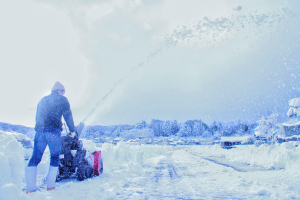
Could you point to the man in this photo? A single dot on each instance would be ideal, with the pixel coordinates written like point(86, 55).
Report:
point(48, 129)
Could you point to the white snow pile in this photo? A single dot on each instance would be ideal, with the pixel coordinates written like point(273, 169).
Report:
point(90, 146)
point(141, 171)
point(294, 102)
point(12, 165)
point(294, 107)
point(278, 156)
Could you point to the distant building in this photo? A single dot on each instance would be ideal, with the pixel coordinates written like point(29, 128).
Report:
point(291, 129)
point(133, 142)
point(116, 140)
point(261, 136)
point(229, 142)
point(193, 141)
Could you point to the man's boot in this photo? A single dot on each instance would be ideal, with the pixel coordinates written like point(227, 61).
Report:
point(51, 178)
point(31, 179)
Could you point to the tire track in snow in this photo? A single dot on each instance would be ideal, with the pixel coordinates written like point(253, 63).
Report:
point(181, 174)
point(165, 176)
point(157, 181)
point(163, 169)
point(240, 167)
point(209, 179)
point(177, 176)
point(180, 181)
point(164, 181)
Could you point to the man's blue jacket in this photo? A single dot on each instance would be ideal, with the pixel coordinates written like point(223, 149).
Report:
point(50, 110)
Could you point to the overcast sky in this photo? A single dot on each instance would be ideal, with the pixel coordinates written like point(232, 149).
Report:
point(132, 60)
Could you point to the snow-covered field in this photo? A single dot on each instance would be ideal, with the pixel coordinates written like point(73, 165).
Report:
point(165, 172)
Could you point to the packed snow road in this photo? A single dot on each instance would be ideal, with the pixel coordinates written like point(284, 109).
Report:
point(180, 174)
point(188, 172)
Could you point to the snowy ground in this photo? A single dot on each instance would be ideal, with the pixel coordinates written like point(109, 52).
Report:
point(169, 172)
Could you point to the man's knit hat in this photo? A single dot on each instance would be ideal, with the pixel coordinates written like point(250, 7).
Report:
point(58, 86)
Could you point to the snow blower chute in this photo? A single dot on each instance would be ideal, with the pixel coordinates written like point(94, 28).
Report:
point(75, 161)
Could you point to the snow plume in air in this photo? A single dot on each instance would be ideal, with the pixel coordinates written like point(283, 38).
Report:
point(216, 61)
point(238, 33)
point(211, 32)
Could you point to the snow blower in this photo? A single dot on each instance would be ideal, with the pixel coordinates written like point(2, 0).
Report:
point(75, 161)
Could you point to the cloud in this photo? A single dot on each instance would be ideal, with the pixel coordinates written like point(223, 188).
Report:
point(120, 40)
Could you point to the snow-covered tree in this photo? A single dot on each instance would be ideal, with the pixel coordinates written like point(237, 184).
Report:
point(185, 130)
point(192, 128)
point(268, 127)
point(198, 128)
point(174, 127)
point(228, 129)
point(240, 127)
point(120, 129)
point(207, 134)
point(167, 128)
point(141, 125)
point(137, 133)
point(156, 126)
point(216, 127)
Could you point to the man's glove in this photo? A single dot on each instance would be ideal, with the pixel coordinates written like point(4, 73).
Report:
point(72, 134)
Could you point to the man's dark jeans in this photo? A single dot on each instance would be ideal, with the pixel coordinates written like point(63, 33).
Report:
point(50, 137)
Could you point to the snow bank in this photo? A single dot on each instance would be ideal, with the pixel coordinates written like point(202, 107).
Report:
point(90, 146)
point(292, 122)
point(12, 165)
point(123, 162)
point(121, 156)
point(278, 156)
point(124, 165)
point(294, 102)
point(294, 107)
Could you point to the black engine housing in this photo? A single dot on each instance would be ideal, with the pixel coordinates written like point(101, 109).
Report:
point(73, 166)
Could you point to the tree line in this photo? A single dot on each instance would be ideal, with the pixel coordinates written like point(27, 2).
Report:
point(190, 128)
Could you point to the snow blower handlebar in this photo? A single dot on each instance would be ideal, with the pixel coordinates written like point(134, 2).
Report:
point(79, 129)
point(76, 133)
